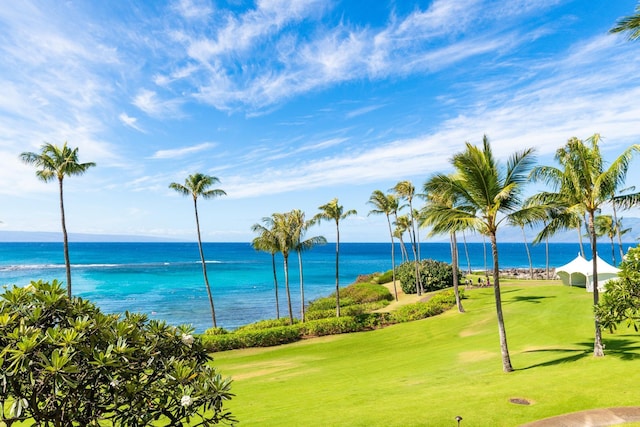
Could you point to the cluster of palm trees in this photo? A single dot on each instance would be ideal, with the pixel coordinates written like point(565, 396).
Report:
point(478, 196)
point(286, 232)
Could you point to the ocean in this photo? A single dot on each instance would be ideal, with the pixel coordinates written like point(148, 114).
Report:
point(164, 280)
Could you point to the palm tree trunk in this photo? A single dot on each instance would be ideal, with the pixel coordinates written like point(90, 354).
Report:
point(613, 251)
point(337, 269)
point(546, 254)
point(484, 250)
point(598, 349)
point(275, 284)
point(204, 265)
point(526, 246)
point(504, 349)
point(454, 266)
point(416, 251)
point(618, 226)
point(466, 252)
point(580, 240)
point(301, 286)
point(393, 259)
point(65, 240)
point(286, 285)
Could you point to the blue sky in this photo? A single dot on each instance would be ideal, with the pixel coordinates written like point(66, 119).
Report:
point(292, 103)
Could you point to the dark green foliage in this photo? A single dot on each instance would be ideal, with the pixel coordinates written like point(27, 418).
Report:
point(252, 338)
point(64, 363)
point(350, 310)
point(330, 326)
point(621, 302)
point(435, 275)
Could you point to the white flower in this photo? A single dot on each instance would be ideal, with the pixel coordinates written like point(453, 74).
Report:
point(186, 401)
point(114, 383)
point(187, 339)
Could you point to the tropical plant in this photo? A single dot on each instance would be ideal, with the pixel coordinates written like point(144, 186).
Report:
point(65, 363)
point(386, 204)
point(605, 226)
point(58, 162)
point(621, 231)
point(629, 24)
point(284, 232)
point(406, 190)
point(401, 224)
point(621, 302)
point(198, 185)
point(302, 244)
point(435, 214)
point(583, 184)
point(487, 190)
point(435, 275)
point(267, 241)
point(335, 212)
point(520, 219)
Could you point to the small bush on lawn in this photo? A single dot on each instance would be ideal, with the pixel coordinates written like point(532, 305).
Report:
point(350, 310)
point(438, 304)
point(385, 277)
point(216, 331)
point(366, 292)
point(433, 274)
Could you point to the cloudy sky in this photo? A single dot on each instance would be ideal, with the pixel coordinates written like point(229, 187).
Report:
point(291, 103)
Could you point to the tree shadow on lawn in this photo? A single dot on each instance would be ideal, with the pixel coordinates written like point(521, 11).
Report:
point(624, 349)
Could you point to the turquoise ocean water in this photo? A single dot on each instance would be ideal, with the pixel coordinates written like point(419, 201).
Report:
point(164, 280)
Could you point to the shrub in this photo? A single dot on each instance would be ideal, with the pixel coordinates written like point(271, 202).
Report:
point(108, 369)
point(350, 310)
point(330, 326)
point(266, 324)
point(329, 303)
point(434, 275)
point(216, 331)
point(385, 277)
point(366, 292)
point(252, 338)
point(438, 304)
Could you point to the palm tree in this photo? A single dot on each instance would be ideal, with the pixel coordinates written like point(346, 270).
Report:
point(605, 226)
point(437, 214)
point(582, 183)
point(300, 227)
point(386, 204)
point(406, 190)
point(198, 185)
point(58, 162)
point(283, 229)
point(487, 190)
point(466, 251)
point(520, 219)
point(398, 232)
point(333, 211)
point(621, 231)
point(267, 241)
point(629, 24)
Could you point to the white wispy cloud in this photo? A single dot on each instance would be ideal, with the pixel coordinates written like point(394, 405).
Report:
point(182, 152)
point(130, 121)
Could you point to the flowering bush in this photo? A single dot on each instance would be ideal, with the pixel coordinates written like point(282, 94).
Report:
point(64, 363)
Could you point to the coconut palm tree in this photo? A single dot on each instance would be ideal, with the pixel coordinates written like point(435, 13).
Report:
point(335, 212)
point(621, 231)
point(629, 24)
point(582, 183)
point(267, 241)
point(605, 226)
point(284, 230)
point(398, 232)
point(437, 214)
point(406, 190)
point(519, 219)
point(58, 162)
point(300, 227)
point(386, 204)
point(198, 185)
point(488, 190)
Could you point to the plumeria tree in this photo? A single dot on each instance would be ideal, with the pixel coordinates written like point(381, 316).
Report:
point(65, 363)
point(54, 162)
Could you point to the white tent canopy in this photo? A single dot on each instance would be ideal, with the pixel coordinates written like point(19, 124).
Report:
point(579, 272)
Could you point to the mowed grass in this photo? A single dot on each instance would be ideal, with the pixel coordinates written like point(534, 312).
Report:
point(425, 373)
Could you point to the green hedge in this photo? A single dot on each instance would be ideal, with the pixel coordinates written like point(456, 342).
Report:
point(252, 338)
point(366, 292)
point(266, 324)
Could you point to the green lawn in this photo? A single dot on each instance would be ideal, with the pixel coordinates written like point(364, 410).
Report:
point(425, 373)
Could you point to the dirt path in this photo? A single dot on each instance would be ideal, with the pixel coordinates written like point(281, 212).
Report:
point(592, 418)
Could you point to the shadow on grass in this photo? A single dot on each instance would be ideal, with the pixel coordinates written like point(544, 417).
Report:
point(529, 298)
point(624, 349)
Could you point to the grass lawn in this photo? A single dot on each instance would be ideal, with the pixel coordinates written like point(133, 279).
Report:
point(426, 373)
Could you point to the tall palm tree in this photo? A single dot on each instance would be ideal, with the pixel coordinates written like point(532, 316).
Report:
point(406, 190)
point(437, 214)
point(58, 162)
point(520, 219)
point(284, 231)
point(466, 251)
point(300, 227)
point(605, 226)
point(267, 241)
point(621, 231)
point(583, 183)
point(398, 232)
point(335, 212)
point(629, 24)
point(487, 190)
point(386, 204)
point(198, 185)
